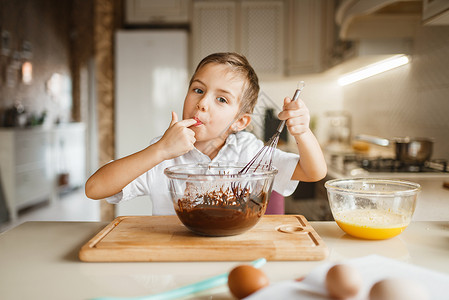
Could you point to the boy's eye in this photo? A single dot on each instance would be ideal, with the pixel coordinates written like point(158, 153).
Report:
point(222, 100)
point(198, 91)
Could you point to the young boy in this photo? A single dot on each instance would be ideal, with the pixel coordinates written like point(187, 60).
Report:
point(221, 97)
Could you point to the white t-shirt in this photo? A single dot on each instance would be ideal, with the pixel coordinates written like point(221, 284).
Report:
point(239, 148)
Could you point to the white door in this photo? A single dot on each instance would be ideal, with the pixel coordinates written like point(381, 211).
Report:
point(151, 81)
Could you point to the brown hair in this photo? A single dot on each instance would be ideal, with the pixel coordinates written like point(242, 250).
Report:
point(241, 66)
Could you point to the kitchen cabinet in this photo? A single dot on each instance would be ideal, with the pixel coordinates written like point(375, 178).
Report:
point(25, 165)
point(279, 38)
point(213, 28)
point(253, 28)
point(262, 35)
point(435, 12)
point(378, 19)
point(157, 11)
point(31, 161)
point(310, 34)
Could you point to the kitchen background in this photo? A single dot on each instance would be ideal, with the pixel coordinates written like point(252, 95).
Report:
point(70, 98)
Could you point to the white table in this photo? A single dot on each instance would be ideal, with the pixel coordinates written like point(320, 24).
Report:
point(39, 260)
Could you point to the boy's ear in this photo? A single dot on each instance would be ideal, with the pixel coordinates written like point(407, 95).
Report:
point(241, 123)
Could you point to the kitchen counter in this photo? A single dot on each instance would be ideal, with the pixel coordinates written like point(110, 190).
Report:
point(440, 176)
point(39, 260)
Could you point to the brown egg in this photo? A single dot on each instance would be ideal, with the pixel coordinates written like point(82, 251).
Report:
point(343, 281)
point(398, 289)
point(245, 279)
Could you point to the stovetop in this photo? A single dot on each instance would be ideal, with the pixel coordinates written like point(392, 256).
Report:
point(392, 165)
point(356, 163)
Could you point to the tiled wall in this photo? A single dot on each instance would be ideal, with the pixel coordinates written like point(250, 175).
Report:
point(412, 100)
point(321, 94)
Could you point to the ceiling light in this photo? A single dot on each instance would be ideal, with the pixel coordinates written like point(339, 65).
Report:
point(374, 69)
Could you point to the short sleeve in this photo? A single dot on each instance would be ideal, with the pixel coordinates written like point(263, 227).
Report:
point(135, 188)
point(285, 163)
point(114, 199)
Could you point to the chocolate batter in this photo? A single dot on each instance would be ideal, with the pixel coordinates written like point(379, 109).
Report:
point(221, 213)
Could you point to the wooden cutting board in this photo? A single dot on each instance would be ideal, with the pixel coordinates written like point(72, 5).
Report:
point(164, 238)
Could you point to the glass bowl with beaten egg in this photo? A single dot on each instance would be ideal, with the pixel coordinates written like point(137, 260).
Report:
point(372, 208)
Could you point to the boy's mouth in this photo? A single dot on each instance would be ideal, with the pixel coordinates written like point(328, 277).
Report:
point(198, 122)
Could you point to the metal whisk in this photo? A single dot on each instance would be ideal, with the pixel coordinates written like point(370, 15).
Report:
point(264, 158)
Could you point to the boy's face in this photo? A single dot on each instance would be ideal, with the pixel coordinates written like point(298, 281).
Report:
point(213, 99)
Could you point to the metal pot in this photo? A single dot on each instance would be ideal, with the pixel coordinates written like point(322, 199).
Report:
point(409, 151)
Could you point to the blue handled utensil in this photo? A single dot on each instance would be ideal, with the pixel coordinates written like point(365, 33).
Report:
point(191, 288)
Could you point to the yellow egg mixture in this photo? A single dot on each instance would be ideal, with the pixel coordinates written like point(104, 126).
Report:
point(372, 224)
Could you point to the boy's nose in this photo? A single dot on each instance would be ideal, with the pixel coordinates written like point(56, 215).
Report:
point(202, 105)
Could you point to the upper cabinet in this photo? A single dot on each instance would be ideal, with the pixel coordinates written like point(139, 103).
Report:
point(156, 11)
point(436, 12)
point(362, 19)
point(253, 28)
point(279, 37)
point(262, 35)
point(310, 36)
point(214, 28)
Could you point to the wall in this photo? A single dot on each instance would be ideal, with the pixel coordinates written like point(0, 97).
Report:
point(412, 100)
point(45, 24)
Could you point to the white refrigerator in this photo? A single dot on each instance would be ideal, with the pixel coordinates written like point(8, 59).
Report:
point(151, 81)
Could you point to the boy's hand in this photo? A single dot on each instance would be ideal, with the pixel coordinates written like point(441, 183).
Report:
point(297, 116)
point(178, 139)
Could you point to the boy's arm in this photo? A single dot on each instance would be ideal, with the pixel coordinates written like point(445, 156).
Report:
point(312, 165)
point(114, 176)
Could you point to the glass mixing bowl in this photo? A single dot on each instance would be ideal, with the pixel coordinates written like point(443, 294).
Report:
point(214, 200)
point(372, 208)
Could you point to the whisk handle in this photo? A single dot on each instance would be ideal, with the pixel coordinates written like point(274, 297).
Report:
point(281, 126)
point(295, 97)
